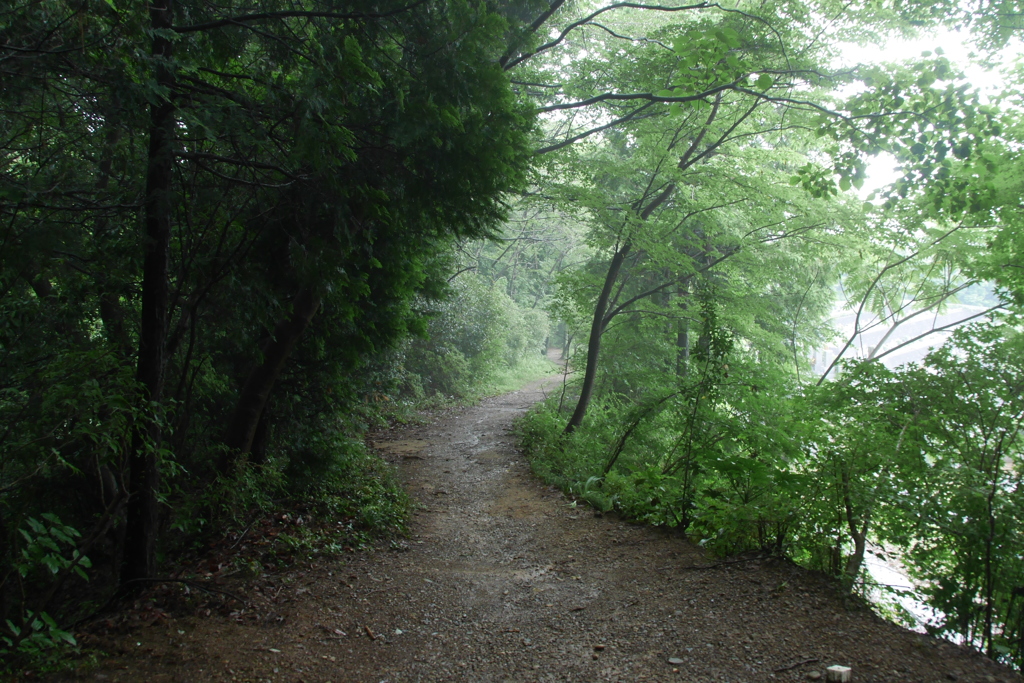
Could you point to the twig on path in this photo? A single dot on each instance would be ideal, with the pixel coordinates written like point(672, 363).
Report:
point(336, 633)
point(793, 666)
point(239, 539)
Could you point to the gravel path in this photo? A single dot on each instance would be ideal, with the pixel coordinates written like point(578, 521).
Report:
point(503, 579)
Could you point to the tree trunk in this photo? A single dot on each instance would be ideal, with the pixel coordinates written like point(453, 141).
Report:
point(683, 332)
point(260, 440)
point(596, 330)
point(990, 539)
point(256, 390)
point(143, 474)
point(858, 532)
point(112, 313)
point(856, 560)
point(599, 323)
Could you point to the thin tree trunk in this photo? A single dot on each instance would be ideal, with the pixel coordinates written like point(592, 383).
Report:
point(253, 399)
point(989, 574)
point(860, 544)
point(858, 532)
point(142, 516)
point(632, 427)
point(112, 313)
point(596, 330)
point(599, 323)
point(683, 332)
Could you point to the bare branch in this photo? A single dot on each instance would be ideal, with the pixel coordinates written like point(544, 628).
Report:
point(245, 163)
point(632, 116)
point(864, 301)
point(534, 27)
point(938, 329)
point(938, 302)
point(510, 63)
point(650, 97)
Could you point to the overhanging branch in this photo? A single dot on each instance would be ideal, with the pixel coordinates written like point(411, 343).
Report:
point(289, 14)
point(632, 116)
point(650, 97)
point(507, 62)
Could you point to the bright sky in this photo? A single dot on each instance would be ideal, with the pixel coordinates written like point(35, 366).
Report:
point(881, 170)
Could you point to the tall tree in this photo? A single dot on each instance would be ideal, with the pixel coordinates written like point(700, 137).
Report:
point(296, 163)
point(688, 91)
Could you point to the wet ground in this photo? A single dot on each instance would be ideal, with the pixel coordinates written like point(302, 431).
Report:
point(504, 579)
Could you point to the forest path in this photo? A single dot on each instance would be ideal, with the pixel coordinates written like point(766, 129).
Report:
point(503, 579)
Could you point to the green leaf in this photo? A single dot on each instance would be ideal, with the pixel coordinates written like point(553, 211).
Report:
point(728, 37)
point(764, 81)
point(63, 635)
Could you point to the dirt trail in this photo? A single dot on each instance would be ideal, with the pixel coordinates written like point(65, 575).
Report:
point(503, 580)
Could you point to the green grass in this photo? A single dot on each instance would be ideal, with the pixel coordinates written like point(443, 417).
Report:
point(504, 380)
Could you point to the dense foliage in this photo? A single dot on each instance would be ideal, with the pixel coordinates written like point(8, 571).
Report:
point(233, 239)
point(217, 223)
point(478, 339)
point(727, 241)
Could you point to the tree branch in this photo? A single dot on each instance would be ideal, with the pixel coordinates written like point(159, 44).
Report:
point(220, 23)
point(938, 302)
point(534, 27)
point(937, 329)
point(568, 141)
point(510, 63)
point(864, 301)
point(650, 97)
